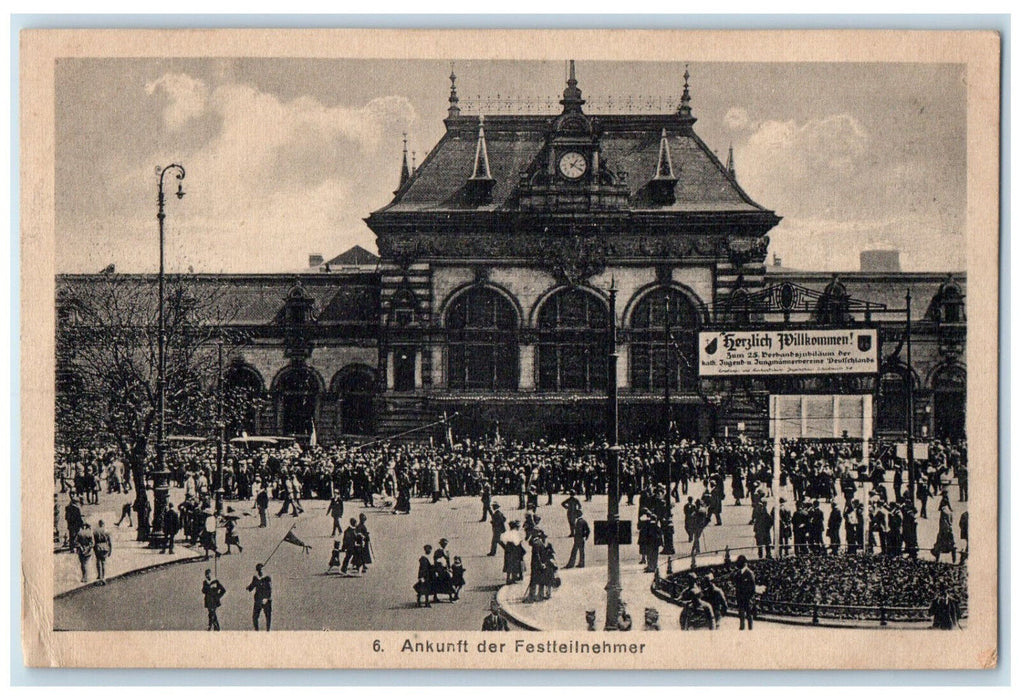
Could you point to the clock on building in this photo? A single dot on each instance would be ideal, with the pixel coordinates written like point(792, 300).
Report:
point(573, 165)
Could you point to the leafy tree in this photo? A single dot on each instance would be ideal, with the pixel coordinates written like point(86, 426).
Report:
point(107, 341)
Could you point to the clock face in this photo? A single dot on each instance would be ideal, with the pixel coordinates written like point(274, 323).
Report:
point(573, 165)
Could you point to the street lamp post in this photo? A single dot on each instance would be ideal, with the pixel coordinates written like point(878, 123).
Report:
point(161, 477)
point(911, 405)
point(612, 472)
point(668, 522)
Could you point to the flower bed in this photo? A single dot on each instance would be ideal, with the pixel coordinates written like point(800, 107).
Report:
point(841, 587)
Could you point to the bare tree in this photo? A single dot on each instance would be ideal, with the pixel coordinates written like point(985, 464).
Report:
point(107, 363)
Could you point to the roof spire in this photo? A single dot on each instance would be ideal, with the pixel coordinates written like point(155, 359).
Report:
point(572, 101)
point(453, 111)
point(665, 166)
point(730, 161)
point(405, 170)
point(685, 109)
point(481, 169)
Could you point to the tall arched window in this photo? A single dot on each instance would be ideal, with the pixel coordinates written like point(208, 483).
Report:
point(949, 399)
point(242, 400)
point(355, 387)
point(573, 327)
point(653, 358)
point(296, 395)
point(892, 409)
point(482, 345)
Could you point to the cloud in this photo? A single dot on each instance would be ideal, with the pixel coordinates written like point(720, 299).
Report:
point(737, 119)
point(270, 181)
point(186, 97)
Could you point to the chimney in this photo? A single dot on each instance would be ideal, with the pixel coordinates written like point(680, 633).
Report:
point(315, 261)
point(777, 260)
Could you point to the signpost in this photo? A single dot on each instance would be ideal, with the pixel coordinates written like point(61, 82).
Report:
point(773, 352)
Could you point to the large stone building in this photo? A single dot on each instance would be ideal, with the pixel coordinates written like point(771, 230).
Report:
point(489, 303)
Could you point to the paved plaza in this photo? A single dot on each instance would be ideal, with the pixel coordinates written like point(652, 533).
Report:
point(305, 597)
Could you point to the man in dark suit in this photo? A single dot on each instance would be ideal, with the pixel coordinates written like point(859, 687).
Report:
point(263, 598)
point(744, 584)
point(833, 524)
point(573, 507)
point(349, 544)
point(494, 621)
point(336, 511)
point(499, 525)
point(423, 587)
point(171, 526)
point(262, 503)
point(581, 534)
point(212, 593)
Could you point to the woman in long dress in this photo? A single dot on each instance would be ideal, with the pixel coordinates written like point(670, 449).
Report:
point(513, 552)
point(945, 536)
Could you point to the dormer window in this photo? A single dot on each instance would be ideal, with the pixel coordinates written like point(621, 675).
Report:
point(950, 303)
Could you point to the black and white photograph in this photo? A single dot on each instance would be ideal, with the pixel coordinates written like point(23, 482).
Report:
point(581, 353)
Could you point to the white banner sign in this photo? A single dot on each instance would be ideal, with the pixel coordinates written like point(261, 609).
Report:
point(852, 351)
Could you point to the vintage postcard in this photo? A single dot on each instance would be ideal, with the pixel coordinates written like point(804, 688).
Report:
point(510, 349)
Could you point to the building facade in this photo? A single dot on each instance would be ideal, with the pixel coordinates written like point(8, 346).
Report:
point(490, 303)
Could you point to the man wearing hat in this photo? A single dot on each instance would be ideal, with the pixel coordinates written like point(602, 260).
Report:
point(833, 523)
point(580, 533)
point(697, 614)
point(714, 595)
point(498, 521)
point(744, 583)
point(494, 621)
point(573, 507)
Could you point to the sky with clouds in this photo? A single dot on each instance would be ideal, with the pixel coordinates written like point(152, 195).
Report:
point(285, 157)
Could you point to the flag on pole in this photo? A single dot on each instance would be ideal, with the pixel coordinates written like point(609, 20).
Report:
point(312, 440)
point(293, 539)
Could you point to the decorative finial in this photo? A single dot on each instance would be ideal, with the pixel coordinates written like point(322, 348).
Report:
point(685, 109)
point(730, 161)
point(405, 170)
point(412, 162)
point(572, 101)
point(454, 110)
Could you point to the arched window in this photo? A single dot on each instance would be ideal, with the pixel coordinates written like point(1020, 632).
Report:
point(243, 400)
point(355, 387)
point(834, 305)
point(653, 358)
point(482, 345)
point(296, 396)
point(892, 408)
point(573, 327)
point(739, 307)
point(949, 395)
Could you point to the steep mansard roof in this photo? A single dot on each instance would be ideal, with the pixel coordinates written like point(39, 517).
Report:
point(249, 299)
point(516, 144)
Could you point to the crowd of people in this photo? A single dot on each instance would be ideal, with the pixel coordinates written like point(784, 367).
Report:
point(391, 475)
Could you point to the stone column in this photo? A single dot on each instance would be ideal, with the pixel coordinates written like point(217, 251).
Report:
point(439, 369)
point(390, 370)
point(418, 367)
point(526, 367)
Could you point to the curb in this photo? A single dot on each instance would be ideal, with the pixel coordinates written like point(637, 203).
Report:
point(501, 598)
point(133, 572)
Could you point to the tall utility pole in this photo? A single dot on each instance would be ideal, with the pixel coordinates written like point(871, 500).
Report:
point(668, 523)
point(911, 406)
point(161, 477)
point(612, 472)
